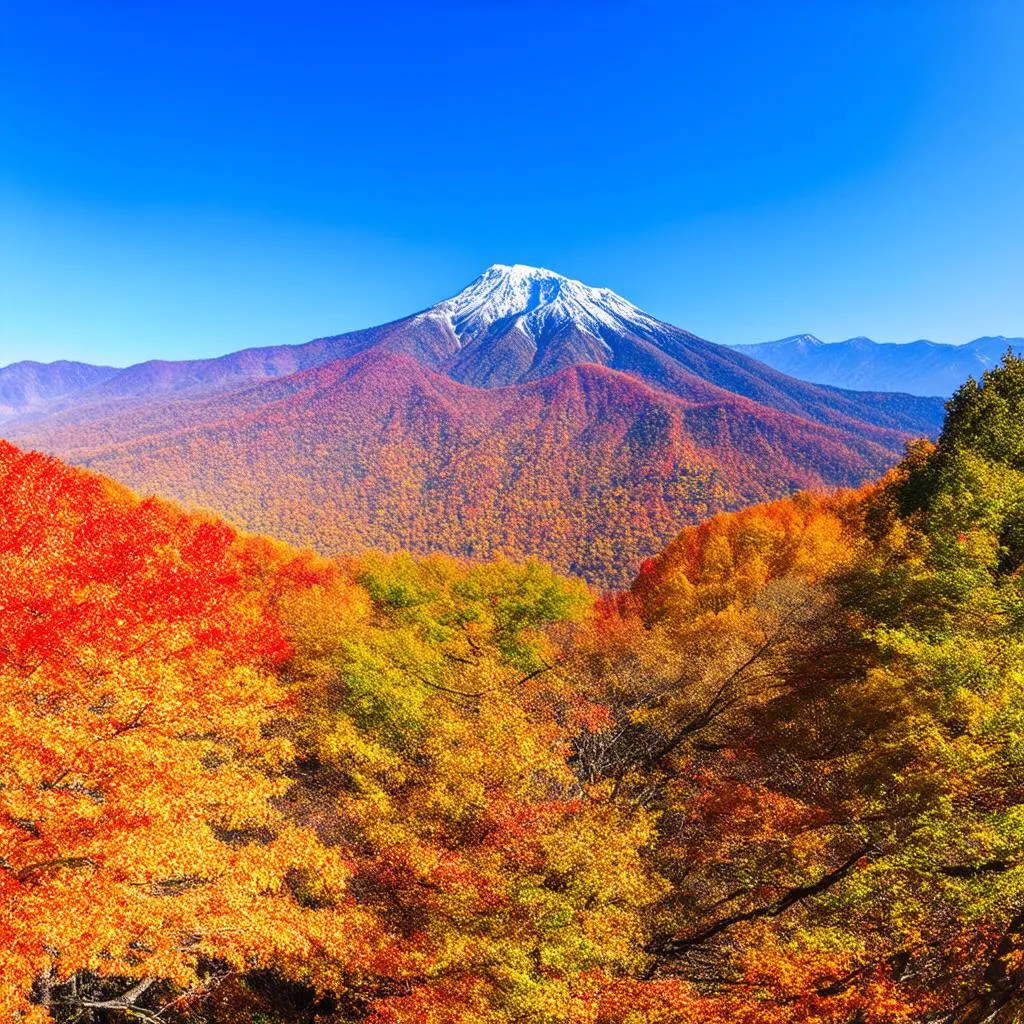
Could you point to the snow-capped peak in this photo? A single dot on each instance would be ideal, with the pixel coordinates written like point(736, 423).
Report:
point(801, 341)
point(538, 302)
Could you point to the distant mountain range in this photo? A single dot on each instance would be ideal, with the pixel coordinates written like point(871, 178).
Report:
point(528, 415)
point(29, 386)
point(917, 368)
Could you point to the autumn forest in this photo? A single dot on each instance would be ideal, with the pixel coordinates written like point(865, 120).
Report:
point(778, 779)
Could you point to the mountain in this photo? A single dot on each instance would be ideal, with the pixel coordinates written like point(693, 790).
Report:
point(528, 415)
point(28, 386)
point(515, 324)
point(917, 368)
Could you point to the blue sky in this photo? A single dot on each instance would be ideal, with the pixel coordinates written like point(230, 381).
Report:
point(184, 179)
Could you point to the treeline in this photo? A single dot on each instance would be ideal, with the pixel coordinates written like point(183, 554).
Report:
point(780, 779)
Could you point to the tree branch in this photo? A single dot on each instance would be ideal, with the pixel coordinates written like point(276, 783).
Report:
point(124, 1003)
point(49, 865)
point(676, 947)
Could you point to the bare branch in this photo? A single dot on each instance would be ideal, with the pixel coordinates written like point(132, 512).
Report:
point(676, 947)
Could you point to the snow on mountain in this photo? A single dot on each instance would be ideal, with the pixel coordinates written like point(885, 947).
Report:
point(539, 303)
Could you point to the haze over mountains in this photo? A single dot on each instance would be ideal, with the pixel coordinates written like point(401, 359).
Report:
point(917, 368)
point(28, 386)
point(528, 415)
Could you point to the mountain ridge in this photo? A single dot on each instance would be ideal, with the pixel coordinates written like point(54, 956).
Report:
point(29, 385)
point(923, 368)
point(672, 357)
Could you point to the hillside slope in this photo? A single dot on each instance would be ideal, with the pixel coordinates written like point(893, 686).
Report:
point(589, 468)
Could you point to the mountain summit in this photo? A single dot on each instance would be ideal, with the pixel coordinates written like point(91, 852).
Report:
point(539, 303)
point(516, 323)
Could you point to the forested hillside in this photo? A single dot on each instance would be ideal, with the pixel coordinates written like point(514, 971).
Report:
point(590, 469)
point(777, 781)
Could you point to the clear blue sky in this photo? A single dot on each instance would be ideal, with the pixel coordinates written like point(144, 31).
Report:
point(181, 179)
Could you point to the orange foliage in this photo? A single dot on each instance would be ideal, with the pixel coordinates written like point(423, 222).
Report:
point(137, 829)
point(730, 558)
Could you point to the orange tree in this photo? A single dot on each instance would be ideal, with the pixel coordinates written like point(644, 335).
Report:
point(141, 854)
